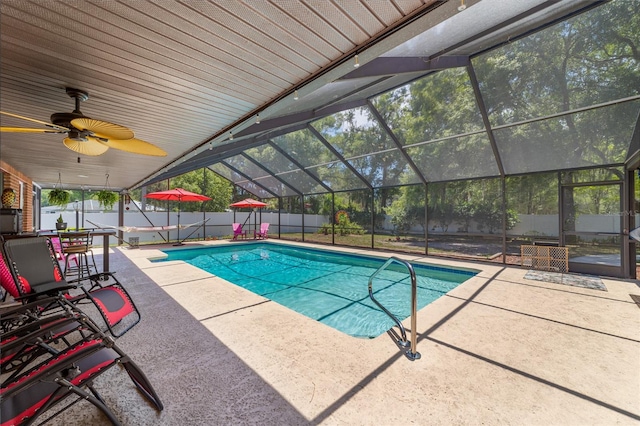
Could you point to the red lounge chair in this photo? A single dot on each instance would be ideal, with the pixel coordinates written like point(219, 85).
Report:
point(262, 234)
point(61, 369)
point(34, 273)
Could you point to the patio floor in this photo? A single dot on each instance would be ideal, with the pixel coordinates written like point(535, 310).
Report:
point(498, 349)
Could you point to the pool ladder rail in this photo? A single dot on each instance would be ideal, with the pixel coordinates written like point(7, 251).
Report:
point(401, 340)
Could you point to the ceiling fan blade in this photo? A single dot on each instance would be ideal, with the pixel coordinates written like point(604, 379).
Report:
point(102, 129)
point(91, 146)
point(135, 146)
point(29, 130)
point(33, 120)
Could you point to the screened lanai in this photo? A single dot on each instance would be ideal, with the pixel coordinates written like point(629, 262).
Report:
point(527, 134)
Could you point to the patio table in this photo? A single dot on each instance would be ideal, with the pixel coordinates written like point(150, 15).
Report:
point(105, 233)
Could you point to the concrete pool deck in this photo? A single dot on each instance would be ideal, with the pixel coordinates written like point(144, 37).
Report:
point(498, 349)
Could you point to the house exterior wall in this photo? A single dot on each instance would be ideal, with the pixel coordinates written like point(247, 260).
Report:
point(18, 181)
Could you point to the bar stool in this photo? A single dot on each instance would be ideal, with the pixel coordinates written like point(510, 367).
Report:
point(60, 256)
point(76, 244)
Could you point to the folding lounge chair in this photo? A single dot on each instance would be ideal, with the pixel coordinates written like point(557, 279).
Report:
point(264, 230)
point(19, 323)
point(237, 231)
point(26, 313)
point(35, 273)
point(64, 367)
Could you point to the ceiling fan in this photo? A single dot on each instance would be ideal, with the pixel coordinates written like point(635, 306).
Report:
point(86, 135)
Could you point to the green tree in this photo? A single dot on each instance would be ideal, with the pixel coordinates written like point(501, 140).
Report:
point(407, 209)
point(206, 182)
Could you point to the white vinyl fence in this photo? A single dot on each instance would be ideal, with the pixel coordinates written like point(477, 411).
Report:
point(219, 224)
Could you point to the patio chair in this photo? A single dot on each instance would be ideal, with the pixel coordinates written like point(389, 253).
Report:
point(57, 247)
point(62, 369)
point(35, 274)
point(237, 231)
point(77, 245)
point(262, 234)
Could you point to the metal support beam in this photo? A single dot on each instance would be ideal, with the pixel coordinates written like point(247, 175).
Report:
point(333, 217)
point(384, 66)
point(279, 220)
point(485, 118)
point(395, 140)
point(503, 190)
point(426, 220)
point(300, 166)
point(270, 172)
point(338, 155)
point(248, 178)
point(373, 217)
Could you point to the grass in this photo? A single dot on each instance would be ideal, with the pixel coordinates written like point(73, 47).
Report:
point(439, 245)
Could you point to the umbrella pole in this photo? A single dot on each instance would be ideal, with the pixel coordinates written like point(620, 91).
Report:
point(178, 243)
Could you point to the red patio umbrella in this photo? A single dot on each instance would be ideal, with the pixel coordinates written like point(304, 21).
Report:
point(249, 203)
point(179, 195)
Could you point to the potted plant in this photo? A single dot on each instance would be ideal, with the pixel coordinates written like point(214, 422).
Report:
point(107, 198)
point(61, 225)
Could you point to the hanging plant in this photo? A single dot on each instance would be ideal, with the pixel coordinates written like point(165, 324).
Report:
point(106, 196)
point(58, 196)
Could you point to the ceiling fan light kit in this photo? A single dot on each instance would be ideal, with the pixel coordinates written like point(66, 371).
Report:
point(88, 136)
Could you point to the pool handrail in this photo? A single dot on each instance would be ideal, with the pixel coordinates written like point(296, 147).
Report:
point(411, 353)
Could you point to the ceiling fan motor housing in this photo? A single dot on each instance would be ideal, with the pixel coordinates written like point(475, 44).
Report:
point(64, 118)
point(78, 135)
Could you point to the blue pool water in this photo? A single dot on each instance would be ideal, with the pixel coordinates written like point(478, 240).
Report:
point(329, 287)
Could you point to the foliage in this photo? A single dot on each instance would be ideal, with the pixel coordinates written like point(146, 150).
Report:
point(408, 209)
point(343, 226)
point(58, 197)
point(60, 219)
point(489, 215)
point(399, 218)
point(586, 60)
point(106, 198)
point(325, 229)
point(292, 204)
point(533, 194)
point(202, 181)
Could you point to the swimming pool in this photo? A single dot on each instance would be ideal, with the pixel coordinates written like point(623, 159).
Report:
point(330, 287)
